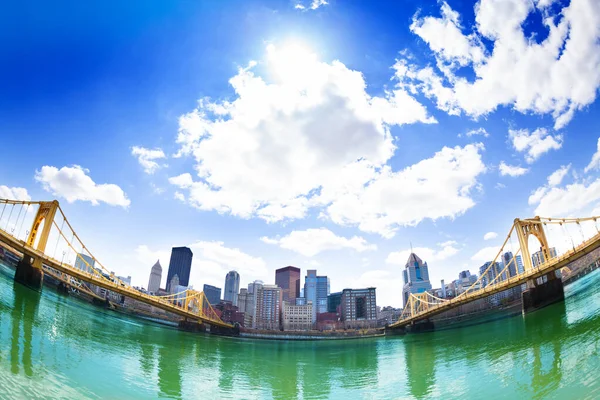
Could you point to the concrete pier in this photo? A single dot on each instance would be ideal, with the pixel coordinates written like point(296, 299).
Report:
point(29, 275)
point(541, 295)
point(420, 326)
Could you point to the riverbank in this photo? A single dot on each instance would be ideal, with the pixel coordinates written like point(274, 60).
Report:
point(312, 335)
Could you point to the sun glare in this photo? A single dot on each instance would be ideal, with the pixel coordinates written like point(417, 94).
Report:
point(292, 61)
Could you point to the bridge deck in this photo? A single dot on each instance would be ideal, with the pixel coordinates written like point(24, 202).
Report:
point(549, 266)
point(154, 301)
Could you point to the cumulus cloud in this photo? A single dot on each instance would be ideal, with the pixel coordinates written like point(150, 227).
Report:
point(534, 144)
point(565, 201)
point(313, 137)
point(443, 251)
point(314, 4)
point(557, 176)
point(73, 183)
point(554, 179)
point(147, 158)
point(595, 161)
point(14, 193)
point(558, 75)
point(476, 132)
point(311, 242)
point(511, 170)
point(490, 235)
point(486, 254)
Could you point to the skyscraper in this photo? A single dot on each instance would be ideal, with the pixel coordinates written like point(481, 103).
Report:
point(212, 293)
point(268, 307)
point(316, 289)
point(507, 259)
point(180, 265)
point(520, 267)
point(81, 264)
point(288, 279)
point(416, 277)
point(232, 287)
point(155, 277)
point(253, 291)
point(492, 275)
point(359, 305)
point(322, 293)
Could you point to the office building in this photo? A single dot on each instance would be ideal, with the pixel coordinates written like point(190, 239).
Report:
point(84, 263)
point(333, 302)
point(416, 277)
point(492, 275)
point(268, 307)
point(510, 263)
point(465, 281)
point(232, 287)
point(288, 279)
point(520, 267)
point(213, 294)
point(358, 305)
point(316, 290)
point(297, 318)
point(253, 292)
point(174, 284)
point(180, 265)
point(537, 258)
point(155, 278)
point(125, 279)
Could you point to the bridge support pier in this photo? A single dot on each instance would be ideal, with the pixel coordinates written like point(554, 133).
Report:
point(541, 295)
point(420, 327)
point(28, 274)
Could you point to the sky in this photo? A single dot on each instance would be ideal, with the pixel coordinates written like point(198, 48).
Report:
point(331, 135)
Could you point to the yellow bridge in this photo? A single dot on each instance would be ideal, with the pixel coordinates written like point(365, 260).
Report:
point(422, 306)
point(50, 225)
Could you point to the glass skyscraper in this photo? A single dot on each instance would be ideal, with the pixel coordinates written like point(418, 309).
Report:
point(316, 289)
point(180, 265)
point(232, 287)
point(213, 294)
point(416, 277)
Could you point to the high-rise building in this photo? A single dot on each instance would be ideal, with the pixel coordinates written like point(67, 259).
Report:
point(253, 291)
point(268, 307)
point(465, 281)
point(288, 279)
point(232, 287)
point(359, 305)
point(155, 277)
point(174, 284)
point(297, 318)
point(180, 265)
point(510, 263)
point(81, 264)
point(493, 275)
point(416, 277)
point(520, 267)
point(333, 301)
point(246, 305)
point(316, 290)
point(537, 258)
point(212, 293)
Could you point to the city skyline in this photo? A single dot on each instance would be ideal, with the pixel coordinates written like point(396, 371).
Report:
point(327, 138)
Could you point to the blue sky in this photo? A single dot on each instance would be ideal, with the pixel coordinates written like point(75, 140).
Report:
point(327, 135)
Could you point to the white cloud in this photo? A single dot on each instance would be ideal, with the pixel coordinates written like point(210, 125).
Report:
point(147, 157)
point(14, 193)
point(565, 201)
point(315, 138)
point(311, 242)
point(534, 144)
point(74, 184)
point(476, 132)
point(444, 251)
point(490, 235)
point(595, 161)
point(511, 170)
point(486, 254)
point(556, 76)
point(179, 196)
point(557, 176)
point(312, 6)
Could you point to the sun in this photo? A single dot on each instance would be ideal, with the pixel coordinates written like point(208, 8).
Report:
point(292, 62)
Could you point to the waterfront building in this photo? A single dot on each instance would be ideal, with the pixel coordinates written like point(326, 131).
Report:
point(510, 264)
point(316, 289)
point(173, 284)
point(492, 276)
point(268, 307)
point(358, 305)
point(416, 277)
point(180, 265)
point(81, 264)
point(253, 290)
point(230, 313)
point(212, 293)
point(155, 277)
point(246, 305)
point(288, 279)
point(232, 287)
point(297, 318)
point(333, 302)
point(537, 258)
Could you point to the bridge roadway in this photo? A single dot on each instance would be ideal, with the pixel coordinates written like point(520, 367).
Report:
point(128, 291)
point(554, 264)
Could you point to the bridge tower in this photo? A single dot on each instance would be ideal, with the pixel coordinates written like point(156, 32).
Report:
point(537, 295)
point(29, 269)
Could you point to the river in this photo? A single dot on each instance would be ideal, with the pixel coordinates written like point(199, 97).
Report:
point(52, 346)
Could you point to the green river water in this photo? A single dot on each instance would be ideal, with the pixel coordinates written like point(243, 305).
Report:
point(53, 346)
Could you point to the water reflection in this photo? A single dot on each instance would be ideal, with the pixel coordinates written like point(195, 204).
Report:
point(420, 364)
point(24, 311)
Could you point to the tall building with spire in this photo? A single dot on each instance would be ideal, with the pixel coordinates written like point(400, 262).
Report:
point(155, 277)
point(416, 277)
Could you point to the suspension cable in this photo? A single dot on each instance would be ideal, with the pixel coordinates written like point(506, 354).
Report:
point(10, 215)
point(3, 208)
point(24, 216)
